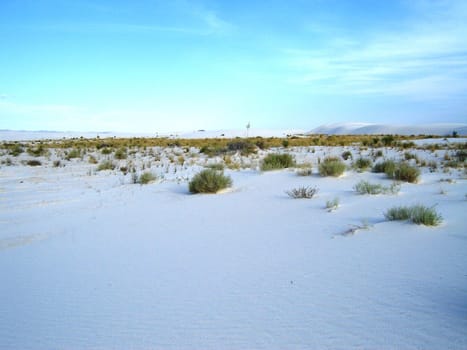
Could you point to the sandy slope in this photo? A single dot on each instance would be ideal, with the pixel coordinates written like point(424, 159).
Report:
point(89, 261)
point(441, 129)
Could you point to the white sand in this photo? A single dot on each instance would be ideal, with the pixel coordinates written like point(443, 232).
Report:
point(90, 261)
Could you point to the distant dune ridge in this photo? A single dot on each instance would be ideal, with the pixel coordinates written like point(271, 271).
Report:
point(440, 129)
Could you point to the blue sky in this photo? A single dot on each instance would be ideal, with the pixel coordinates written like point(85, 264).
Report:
point(155, 66)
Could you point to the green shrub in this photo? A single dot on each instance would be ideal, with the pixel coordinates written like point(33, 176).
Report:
point(304, 171)
point(418, 214)
point(302, 192)
point(37, 151)
point(209, 181)
point(362, 163)
point(365, 187)
point(33, 162)
point(74, 153)
point(245, 147)
point(422, 215)
point(16, 150)
point(120, 154)
point(216, 166)
point(277, 161)
point(346, 155)
point(332, 204)
point(106, 150)
point(106, 165)
point(386, 166)
point(331, 166)
point(405, 172)
point(146, 178)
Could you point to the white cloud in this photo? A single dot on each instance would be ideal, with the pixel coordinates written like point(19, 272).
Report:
point(429, 59)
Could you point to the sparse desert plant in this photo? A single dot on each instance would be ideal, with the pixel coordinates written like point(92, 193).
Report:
point(215, 166)
point(405, 172)
point(331, 166)
point(362, 164)
point(37, 151)
point(146, 178)
point(106, 150)
point(92, 160)
point(33, 162)
point(302, 192)
point(386, 166)
point(304, 171)
point(346, 155)
point(121, 153)
point(277, 161)
point(398, 213)
point(16, 150)
point(106, 165)
point(245, 147)
point(74, 153)
point(422, 215)
point(418, 214)
point(209, 181)
point(365, 187)
point(332, 204)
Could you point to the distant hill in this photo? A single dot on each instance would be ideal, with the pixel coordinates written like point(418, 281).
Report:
point(440, 129)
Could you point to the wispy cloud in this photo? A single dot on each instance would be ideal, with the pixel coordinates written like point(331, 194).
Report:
point(428, 60)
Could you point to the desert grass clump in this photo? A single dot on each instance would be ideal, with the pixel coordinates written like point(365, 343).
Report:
point(277, 161)
point(361, 164)
point(305, 172)
point(365, 187)
point(331, 166)
point(302, 192)
point(209, 181)
point(405, 172)
point(332, 204)
point(215, 166)
point(121, 153)
point(418, 214)
point(146, 178)
point(106, 165)
point(33, 162)
point(74, 153)
point(386, 166)
point(346, 155)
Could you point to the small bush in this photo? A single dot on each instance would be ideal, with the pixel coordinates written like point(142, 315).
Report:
point(33, 162)
point(302, 192)
point(245, 147)
point(74, 153)
point(387, 166)
point(398, 213)
point(16, 150)
point(106, 150)
point(120, 154)
point(277, 161)
point(209, 181)
point(38, 151)
point(362, 164)
point(331, 166)
point(216, 166)
point(346, 155)
point(365, 187)
point(146, 178)
point(418, 214)
point(304, 172)
point(405, 172)
point(332, 204)
point(92, 160)
point(106, 165)
point(57, 163)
